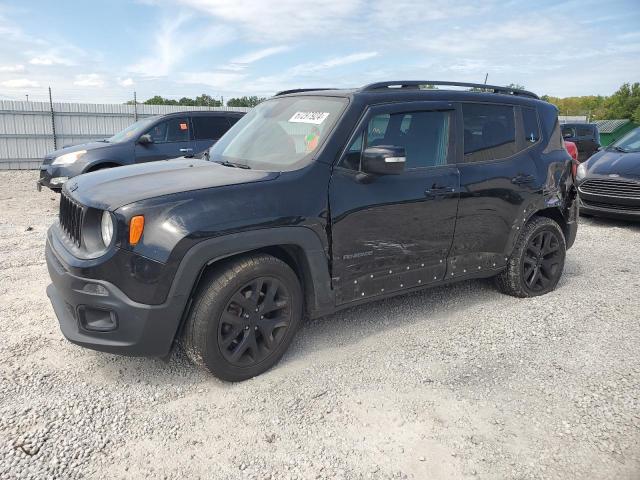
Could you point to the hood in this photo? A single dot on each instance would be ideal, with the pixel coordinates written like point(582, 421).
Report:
point(112, 188)
point(75, 148)
point(606, 162)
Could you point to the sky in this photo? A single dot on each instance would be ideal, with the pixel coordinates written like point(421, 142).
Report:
point(103, 51)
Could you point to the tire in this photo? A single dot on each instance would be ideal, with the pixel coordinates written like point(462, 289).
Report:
point(244, 316)
point(540, 250)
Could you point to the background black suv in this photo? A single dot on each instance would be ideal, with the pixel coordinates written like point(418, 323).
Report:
point(586, 136)
point(153, 138)
point(314, 201)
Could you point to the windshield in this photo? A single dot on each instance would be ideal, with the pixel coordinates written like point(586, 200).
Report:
point(629, 143)
point(132, 130)
point(279, 134)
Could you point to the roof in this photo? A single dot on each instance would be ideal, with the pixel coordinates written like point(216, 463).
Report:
point(421, 86)
point(610, 126)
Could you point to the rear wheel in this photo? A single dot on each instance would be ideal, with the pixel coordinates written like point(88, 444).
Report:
point(537, 261)
point(244, 317)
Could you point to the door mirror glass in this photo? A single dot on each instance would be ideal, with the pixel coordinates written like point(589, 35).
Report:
point(384, 160)
point(567, 135)
point(145, 139)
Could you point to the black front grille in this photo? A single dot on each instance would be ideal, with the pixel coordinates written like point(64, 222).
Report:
point(612, 206)
point(71, 217)
point(611, 188)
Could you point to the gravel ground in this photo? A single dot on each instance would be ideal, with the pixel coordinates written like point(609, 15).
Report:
point(457, 382)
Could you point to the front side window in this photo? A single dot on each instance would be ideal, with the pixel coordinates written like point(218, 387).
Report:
point(280, 134)
point(132, 131)
point(172, 130)
point(209, 127)
point(530, 125)
point(423, 135)
point(489, 132)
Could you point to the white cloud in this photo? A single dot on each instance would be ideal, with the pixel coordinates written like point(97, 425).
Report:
point(89, 80)
point(312, 67)
point(49, 59)
point(175, 42)
point(259, 54)
point(220, 81)
point(126, 82)
point(11, 68)
point(20, 83)
point(280, 20)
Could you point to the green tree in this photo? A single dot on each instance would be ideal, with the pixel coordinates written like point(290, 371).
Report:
point(624, 102)
point(245, 101)
point(158, 100)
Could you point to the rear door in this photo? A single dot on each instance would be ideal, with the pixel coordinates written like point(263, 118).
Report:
point(207, 130)
point(498, 181)
point(393, 232)
point(171, 138)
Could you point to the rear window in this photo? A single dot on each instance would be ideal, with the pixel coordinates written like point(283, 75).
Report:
point(209, 127)
point(489, 132)
point(585, 132)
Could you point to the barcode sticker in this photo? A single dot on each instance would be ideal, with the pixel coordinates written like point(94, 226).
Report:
point(309, 117)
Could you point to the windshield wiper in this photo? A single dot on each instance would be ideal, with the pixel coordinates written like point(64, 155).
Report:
point(620, 149)
point(235, 165)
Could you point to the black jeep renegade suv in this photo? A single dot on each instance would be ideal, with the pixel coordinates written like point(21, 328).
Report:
point(314, 201)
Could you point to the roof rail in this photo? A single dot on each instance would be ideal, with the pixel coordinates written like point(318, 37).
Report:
point(418, 83)
point(299, 90)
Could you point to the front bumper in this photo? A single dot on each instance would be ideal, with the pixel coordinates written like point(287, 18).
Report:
point(52, 177)
point(611, 210)
point(124, 326)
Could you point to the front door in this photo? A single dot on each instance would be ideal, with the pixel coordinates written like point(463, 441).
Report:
point(393, 232)
point(171, 138)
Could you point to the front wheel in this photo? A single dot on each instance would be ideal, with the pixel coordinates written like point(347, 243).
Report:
point(537, 261)
point(244, 317)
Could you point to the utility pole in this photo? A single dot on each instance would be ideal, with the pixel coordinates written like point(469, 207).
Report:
point(53, 122)
point(221, 101)
point(135, 107)
point(486, 77)
point(27, 95)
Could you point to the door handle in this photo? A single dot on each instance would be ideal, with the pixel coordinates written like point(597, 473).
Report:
point(186, 149)
point(522, 178)
point(439, 190)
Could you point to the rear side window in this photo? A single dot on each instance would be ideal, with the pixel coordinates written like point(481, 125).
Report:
point(209, 128)
point(172, 130)
point(424, 136)
point(530, 125)
point(489, 132)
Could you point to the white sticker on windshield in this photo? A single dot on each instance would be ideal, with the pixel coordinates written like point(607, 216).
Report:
point(309, 117)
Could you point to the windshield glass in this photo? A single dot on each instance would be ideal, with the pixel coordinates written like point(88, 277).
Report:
point(629, 143)
point(279, 134)
point(132, 130)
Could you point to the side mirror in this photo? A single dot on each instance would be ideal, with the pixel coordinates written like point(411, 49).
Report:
point(384, 160)
point(567, 135)
point(145, 139)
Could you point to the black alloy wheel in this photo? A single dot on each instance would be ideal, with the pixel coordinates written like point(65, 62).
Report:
point(542, 261)
point(254, 322)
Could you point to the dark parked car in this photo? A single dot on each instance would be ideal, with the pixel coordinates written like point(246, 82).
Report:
point(153, 138)
point(314, 201)
point(609, 182)
point(586, 136)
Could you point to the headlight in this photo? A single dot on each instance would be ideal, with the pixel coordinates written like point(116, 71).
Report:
point(106, 228)
point(581, 172)
point(68, 158)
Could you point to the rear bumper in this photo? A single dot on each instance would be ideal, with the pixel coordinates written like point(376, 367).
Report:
point(129, 327)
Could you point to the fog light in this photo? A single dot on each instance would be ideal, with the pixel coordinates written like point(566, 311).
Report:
point(95, 289)
point(96, 319)
point(58, 180)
